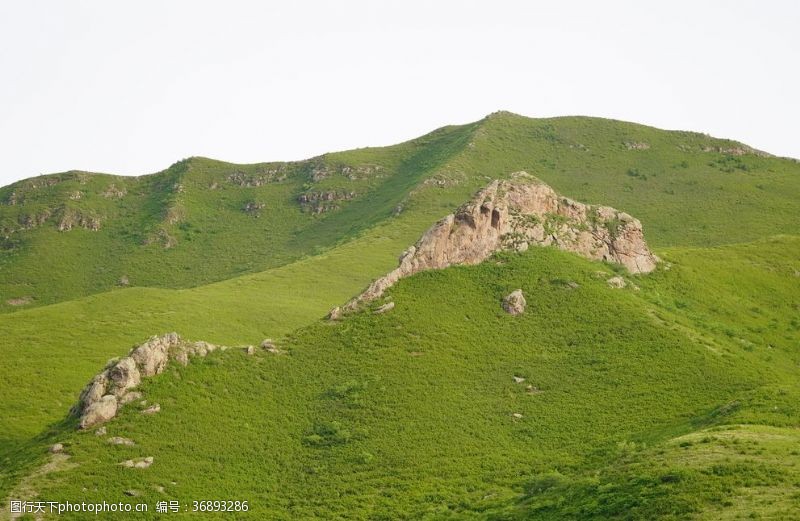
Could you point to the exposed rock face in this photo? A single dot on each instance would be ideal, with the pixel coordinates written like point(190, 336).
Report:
point(99, 412)
point(320, 202)
point(124, 375)
point(335, 314)
point(319, 171)
point(513, 215)
point(69, 218)
point(112, 388)
point(515, 303)
point(152, 356)
point(267, 174)
point(112, 192)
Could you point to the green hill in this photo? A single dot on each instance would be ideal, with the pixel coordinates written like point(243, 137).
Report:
point(202, 221)
point(671, 398)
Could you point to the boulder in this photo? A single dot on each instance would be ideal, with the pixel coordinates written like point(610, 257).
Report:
point(335, 314)
point(100, 411)
point(123, 376)
point(57, 448)
point(95, 390)
point(515, 303)
point(152, 356)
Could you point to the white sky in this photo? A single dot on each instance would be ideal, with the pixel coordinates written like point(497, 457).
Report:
point(131, 87)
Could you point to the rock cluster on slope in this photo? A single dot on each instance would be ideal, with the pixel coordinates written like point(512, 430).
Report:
point(111, 388)
point(514, 215)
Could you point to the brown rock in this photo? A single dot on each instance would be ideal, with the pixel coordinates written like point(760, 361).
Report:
point(515, 303)
point(123, 376)
point(152, 356)
point(100, 411)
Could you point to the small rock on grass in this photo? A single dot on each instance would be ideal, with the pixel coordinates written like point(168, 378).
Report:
point(515, 303)
point(152, 409)
point(617, 282)
point(384, 308)
point(118, 440)
point(139, 463)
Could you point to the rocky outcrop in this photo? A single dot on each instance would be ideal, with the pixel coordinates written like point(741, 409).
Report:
point(161, 237)
point(740, 150)
point(320, 202)
point(320, 170)
point(34, 220)
point(69, 218)
point(267, 174)
point(514, 303)
point(514, 215)
point(113, 387)
point(112, 192)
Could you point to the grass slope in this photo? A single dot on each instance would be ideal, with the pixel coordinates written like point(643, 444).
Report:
point(197, 222)
point(687, 188)
point(691, 192)
point(409, 413)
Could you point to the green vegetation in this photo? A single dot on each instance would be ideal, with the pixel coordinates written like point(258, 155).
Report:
point(187, 226)
point(675, 397)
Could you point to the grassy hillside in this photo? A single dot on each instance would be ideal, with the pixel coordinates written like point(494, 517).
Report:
point(197, 222)
point(410, 413)
point(202, 220)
